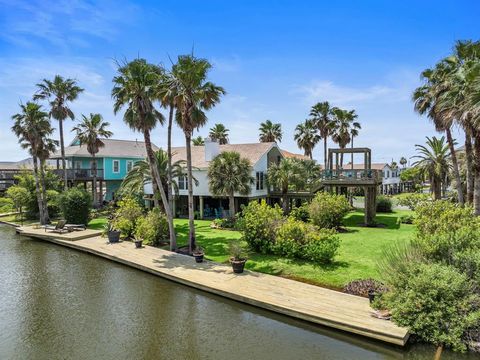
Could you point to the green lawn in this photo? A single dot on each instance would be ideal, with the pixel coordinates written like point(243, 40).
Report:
point(361, 249)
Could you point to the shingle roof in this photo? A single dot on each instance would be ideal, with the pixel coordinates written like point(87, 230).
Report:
point(112, 148)
point(252, 152)
point(289, 154)
point(375, 166)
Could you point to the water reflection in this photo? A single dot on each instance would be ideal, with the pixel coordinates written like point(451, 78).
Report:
point(57, 303)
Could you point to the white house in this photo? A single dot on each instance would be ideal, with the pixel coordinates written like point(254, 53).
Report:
point(260, 155)
point(391, 183)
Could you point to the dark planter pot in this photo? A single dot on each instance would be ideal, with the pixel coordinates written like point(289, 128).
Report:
point(113, 236)
point(138, 244)
point(198, 257)
point(238, 265)
point(371, 295)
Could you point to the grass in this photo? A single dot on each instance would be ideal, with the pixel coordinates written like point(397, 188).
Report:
point(360, 250)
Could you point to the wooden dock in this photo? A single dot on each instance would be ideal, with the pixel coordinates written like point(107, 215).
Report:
point(303, 301)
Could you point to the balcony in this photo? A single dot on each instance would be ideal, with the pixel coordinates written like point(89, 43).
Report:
point(351, 177)
point(79, 174)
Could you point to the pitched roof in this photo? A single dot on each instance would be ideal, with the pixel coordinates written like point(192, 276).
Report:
point(252, 152)
point(112, 148)
point(375, 166)
point(289, 154)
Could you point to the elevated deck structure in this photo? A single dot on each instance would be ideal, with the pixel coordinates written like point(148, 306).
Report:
point(336, 176)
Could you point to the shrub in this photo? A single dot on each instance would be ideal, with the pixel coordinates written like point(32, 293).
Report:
point(18, 198)
point(328, 210)
point(260, 225)
point(152, 228)
point(434, 301)
point(297, 239)
point(412, 200)
point(361, 287)
point(384, 204)
point(301, 212)
point(321, 245)
point(226, 223)
point(126, 216)
point(407, 219)
point(75, 205)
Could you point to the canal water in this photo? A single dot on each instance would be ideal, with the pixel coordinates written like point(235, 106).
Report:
point(57, 303)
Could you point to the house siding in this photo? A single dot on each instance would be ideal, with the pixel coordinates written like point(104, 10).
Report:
point(108, 171)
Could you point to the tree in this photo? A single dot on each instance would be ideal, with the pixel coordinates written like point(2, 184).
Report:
point(427, 101)
point(194, 95)
point(228, 173)
point(90, 132)
point(137, 86)
point(403, 161)
point(46, 147)
point(270, 132)
point(219, 133)
point(19, 196)
point(33, 128)
point(60, 92)
point(345, 126)
point(433, 160)
point(198, 141)
point(288, 174)
point(140, 174)
point(306, 136)
point(321, 114)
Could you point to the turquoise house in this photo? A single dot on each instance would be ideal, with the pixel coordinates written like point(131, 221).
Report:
point(114, 161)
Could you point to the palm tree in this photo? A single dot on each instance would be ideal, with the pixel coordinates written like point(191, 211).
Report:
point(345, 125)
point(194, 95)
point(427, 100)
point(47, 147)
point(198, 141)
point(353, 134)
point(136, 86)
point(60, 92)
point(219, 133)
point(270, 132)
point(33, 128)
point(89, 132)
point(403, 161)
point(228, 173)
point(288, 174)
point(433, 161)
point(306, 136)
point(321, 113)
point(140, 174)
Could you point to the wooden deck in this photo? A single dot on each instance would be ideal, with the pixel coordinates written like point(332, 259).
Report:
point(311, 303)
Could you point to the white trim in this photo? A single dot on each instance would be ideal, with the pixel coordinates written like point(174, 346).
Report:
point(113, 166)
point(131, 166)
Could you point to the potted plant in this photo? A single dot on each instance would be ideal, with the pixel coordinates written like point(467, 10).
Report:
point(237, 257)
point(138, 242)
point(112, 234)
point(198, 254)
point(371, 295)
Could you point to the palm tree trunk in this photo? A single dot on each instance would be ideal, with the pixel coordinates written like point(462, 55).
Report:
point(231, 205)
point(325, 153)
point(469, 165)
point(351, 160)
point(456, 172)
point(62, 151)
point(158, 180)
point(437, 187)
point(191, 223)
point(94, 175)
point(476, 169)
point(173, 240)
point(44, 191)
point(37, 190)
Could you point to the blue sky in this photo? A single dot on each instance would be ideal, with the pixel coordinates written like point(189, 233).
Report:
point(274, 58)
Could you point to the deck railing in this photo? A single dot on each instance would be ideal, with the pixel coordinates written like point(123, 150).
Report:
point(79, 174)
point(351, 175)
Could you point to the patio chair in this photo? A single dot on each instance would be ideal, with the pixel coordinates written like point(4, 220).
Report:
point(58, 228)
point(75, 227)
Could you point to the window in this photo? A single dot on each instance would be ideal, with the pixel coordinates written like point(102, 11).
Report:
point(260, 180)
point(78, 165)
point(129, 165)
point(388, 173)
point(182, 183)
point(116, 166)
